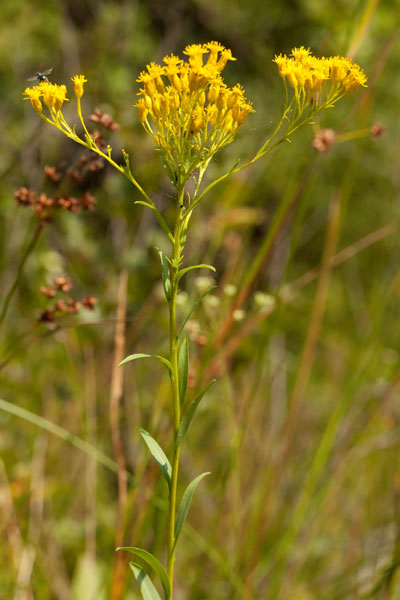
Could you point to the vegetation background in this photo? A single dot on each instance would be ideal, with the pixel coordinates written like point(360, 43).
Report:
point(301, 431)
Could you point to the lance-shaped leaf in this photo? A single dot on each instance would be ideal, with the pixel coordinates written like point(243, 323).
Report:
point(131, 357)
point(154, 563)
point(184, 271)
point(189, 414)
point(185, 504)
point(159, 218)
point(147, 588)
point(195, 305)
point(158, 455)
point(183, 367)
point(165, 275)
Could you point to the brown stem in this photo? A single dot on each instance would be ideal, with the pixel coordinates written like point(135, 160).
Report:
point(119, 570)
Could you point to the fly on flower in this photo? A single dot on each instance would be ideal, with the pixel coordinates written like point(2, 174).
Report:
point(40, 76)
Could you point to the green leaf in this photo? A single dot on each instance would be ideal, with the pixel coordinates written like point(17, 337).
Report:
point(183, 367)
point(165, 275)
point(159, 218)
point(158, 455)
point(148, 590)
point(154, 563)
point(182, 273)
point(189, 414)
point(185, 504)
point(195, 305)
point(131, 357)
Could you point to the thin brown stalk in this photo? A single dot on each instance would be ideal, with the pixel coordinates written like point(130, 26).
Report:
point(314, 328)
point(28, 556)
point(120, 563)
point(91, 463)
point(9, 518)
point(262, 256)
point(290, 290)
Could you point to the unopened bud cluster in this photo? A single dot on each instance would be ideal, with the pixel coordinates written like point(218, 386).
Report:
point(188, 109)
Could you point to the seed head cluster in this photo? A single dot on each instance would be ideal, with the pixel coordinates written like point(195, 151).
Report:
point(188, 109)
point(319, 80)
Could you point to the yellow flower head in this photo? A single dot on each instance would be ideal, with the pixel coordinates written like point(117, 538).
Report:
point(78, 80)
point(33, 94)
point(319, 81)
point(188, 109)
point(53, 96)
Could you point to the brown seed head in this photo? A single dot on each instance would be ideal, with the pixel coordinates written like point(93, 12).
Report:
point(60, 306)
point(63, 284)
point(88, 201)
point(324, 140)
point(89, 302)
point(47, 316)
point(377, 130)
point(52, 174)
point(104, 119)
point(47, 291)
point(24, 196)
point(73, 306)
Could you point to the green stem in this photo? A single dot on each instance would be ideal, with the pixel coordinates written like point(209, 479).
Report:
point(173, 339)
point(21, 265)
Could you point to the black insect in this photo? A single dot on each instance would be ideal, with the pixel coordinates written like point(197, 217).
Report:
point(40, 76)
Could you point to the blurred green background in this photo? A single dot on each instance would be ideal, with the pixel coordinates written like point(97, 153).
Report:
point(301, 431)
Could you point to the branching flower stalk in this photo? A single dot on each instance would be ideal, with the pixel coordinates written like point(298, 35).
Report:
point(191, 114)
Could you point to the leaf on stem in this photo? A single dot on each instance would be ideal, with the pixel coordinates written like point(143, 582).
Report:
point(158, 455)
point(185, 504)
point(183, 368)
point(131, 357)
point(189, 414)
point(147, 588)
point(184, 271)
point(154, 563)
point(165, 275)
point(195, 305)
point(159, 217)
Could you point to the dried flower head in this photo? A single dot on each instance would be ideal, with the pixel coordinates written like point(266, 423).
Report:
point(89, 302)
point(104, 119)
point(324, 140)
point(52, 174)
point(47, 291)
point(62, 284)
point(24, 196)
point(377, 130)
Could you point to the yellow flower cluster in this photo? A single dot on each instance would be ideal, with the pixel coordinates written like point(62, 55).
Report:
point(188, 109)
point(53, 96)
point(319, 80)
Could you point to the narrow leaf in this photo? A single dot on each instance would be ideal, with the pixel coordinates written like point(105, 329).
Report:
point(183, 367)
point(159, 218)
point(182, 273)
point(147, 588)
point(189, 414)
point(165, 275)
point(195, 305)
point(158, 455)
point(131, 357)
point(185, 504)
point(154, 563)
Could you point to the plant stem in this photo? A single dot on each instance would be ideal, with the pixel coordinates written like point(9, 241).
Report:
point(25, 256)
point(173, 339)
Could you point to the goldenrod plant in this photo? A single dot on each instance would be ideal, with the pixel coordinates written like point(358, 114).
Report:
point(190, 114)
